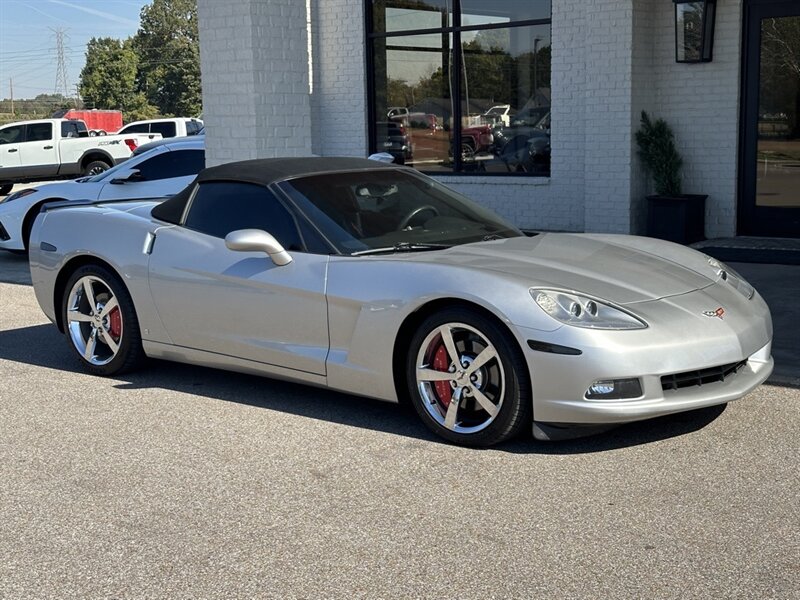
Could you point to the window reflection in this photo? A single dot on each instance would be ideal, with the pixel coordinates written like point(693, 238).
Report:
point(405, 15)
point(414, 100)
point(505, 91)
point(471, 99)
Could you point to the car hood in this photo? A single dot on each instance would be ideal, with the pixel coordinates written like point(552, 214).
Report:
point(70, 190)
point(620, 269)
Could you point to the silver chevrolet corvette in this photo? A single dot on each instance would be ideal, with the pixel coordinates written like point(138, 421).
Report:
point(372, 279)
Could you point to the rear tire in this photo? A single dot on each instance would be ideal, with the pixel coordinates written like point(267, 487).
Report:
point(480, 405)
point(100, 322)
point(95, 168)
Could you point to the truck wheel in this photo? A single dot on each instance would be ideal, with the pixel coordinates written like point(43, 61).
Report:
point(5, 188)
point(95, 168)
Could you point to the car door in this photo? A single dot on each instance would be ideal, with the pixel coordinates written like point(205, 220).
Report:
point(11, 139)
point(164, 174)
point(240, 304)
point(38, 154)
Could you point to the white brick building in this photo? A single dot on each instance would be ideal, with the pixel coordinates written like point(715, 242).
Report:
point(294, 77)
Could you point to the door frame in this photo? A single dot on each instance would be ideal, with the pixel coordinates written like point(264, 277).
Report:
point(750, 220)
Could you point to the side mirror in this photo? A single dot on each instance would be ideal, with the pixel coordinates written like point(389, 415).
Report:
point(255, 240)
point(127, 175)
point(382, 157)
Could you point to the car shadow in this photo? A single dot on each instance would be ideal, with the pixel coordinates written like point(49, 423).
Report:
point(44, 346)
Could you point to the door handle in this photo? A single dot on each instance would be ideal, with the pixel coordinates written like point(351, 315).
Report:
point(48, 148)
point(13, 150)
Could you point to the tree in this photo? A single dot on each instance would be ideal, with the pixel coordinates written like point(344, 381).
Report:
point(169, 56)
point(108, 79)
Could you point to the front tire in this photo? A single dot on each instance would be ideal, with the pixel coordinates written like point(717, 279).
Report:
point(100, 322)
point(467, 379)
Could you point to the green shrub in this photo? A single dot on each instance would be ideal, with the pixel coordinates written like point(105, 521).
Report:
point(660, 156)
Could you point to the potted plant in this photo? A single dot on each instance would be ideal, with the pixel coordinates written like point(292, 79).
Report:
point(671, 214)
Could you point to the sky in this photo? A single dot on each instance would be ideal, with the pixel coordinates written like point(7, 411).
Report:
point(28, 42)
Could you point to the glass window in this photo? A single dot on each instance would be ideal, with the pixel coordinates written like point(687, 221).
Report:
point(12, 135)
point(177, 163)
point(413, 71)
point(221, 207)
point(69, 129)
point(377, 209)
point(405, 15)
point(39, 132)
point(496, 12)
point(167, 129)
point(470, 98)
point(138, 128)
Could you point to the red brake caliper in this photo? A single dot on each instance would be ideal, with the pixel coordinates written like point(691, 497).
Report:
point(115, 322)
point(441, 362)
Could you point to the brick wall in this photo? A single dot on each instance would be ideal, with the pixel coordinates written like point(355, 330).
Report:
point(254, 60)
point(701, 103)
point(339, 95)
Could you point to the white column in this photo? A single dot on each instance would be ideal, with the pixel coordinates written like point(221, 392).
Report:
point(255, 69)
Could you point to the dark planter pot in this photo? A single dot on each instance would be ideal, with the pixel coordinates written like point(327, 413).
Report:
point(681, 219)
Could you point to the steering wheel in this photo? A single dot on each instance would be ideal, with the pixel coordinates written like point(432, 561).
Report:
point(410, 216)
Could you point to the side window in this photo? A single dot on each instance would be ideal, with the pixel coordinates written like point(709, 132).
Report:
point(140, 128)
point(69, 129)
point(179, 163)
point(221, 207)
point(166, 130)
point(192, 128)
point(39, 132)
point(12, 135)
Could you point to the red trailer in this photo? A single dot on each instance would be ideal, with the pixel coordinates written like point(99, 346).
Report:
point(98, 121)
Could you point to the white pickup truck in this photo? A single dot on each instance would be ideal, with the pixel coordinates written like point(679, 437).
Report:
point(59, 149)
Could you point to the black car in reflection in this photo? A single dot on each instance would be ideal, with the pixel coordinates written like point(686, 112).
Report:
point(392, 137)
point(524, 147)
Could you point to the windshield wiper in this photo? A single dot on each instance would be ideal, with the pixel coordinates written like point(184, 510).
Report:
point(401, 247)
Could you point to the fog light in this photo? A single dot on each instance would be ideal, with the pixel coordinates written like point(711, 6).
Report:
point(614, 389)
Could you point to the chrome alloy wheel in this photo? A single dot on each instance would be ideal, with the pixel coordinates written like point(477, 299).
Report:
point(94, 320)
point(460, 378)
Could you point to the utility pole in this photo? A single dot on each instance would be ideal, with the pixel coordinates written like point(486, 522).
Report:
point(11, 89)
point(78, 96)
point(62, 87)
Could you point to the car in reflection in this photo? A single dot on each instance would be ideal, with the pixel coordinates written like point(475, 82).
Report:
point(524, 148)
point(392, 137)
point(157, 169)
point(373, 279)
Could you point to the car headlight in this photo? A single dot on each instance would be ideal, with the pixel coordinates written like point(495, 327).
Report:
point(582, 311)
point(732, 278)
point(19, 194)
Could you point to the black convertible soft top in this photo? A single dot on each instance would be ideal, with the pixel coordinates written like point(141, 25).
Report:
point(262, 171)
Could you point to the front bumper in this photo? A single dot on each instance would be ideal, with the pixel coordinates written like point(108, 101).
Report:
point(679, 339)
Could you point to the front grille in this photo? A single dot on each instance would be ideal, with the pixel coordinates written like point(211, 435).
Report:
point(4, 237)
point(677, 381)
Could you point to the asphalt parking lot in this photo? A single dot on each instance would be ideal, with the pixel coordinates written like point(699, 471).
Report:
point(182, 482)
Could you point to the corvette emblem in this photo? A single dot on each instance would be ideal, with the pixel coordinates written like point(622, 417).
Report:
point(719, 313)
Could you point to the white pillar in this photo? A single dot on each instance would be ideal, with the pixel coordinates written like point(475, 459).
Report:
point(255, 70)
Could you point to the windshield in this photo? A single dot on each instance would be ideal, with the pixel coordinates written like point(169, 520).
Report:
point(392, 209)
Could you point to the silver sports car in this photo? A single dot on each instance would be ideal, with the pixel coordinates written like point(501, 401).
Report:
point(372, 279)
